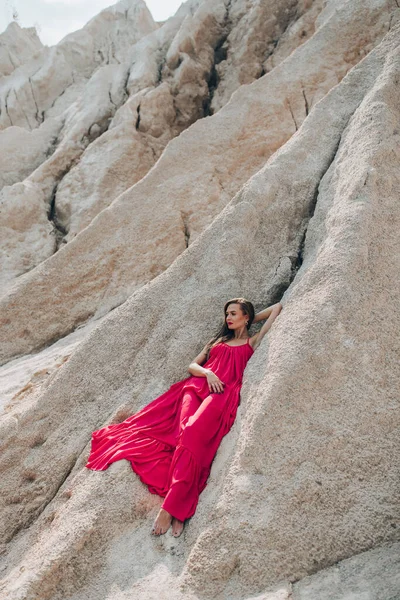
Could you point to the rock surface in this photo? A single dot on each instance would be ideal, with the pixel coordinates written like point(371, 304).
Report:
point(35, 89)
point(64, 97)
point(26, 150)
point(178, 207)
point(373, 574)
point(282, 198)
point(17, 46)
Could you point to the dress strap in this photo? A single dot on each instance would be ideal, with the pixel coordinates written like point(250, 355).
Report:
point(250, 346)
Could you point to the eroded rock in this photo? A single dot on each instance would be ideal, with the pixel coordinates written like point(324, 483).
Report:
point(315, 439)
point(302, 501)
point(17, 45)
point(187, 188)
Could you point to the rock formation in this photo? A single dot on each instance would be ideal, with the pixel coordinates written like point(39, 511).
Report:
point(283, 187)
point(180, 205)
point(17, 46)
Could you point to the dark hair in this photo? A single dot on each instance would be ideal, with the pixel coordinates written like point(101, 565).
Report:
point(224, 333)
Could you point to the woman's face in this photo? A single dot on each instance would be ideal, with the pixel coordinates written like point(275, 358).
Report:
point(234, 317)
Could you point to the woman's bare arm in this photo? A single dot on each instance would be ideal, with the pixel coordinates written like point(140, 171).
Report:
point(195, 367)
point(270, 314)
point(264, 314)
point(214, 383)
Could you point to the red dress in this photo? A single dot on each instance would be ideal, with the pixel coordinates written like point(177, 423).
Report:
point(172, 441)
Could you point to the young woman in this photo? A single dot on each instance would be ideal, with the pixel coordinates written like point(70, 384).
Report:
point(171, 442)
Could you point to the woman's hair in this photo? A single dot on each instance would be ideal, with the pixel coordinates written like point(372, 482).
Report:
point(224, 333)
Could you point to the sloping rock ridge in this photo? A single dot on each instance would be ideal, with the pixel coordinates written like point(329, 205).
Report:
point(264, 146)
point(99, 268)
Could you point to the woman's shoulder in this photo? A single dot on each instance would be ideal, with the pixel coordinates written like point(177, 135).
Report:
point(214, 342)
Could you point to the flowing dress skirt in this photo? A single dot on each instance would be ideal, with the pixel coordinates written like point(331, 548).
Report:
point(171, 442)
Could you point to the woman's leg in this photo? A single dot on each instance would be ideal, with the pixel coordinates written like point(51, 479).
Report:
point(192, 459)
point(190, 404)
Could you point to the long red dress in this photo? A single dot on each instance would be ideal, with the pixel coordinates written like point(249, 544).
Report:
point(172, 441)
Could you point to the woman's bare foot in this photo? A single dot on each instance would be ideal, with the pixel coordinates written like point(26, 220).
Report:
point(162, 522)
point(177, 527)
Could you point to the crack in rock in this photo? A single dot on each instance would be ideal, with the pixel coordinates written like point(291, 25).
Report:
point(34, 99)
point(291, 112)
point(220, 54)
point(186, 229)
point(55, 100)
point(96, 130)
point(59, 231)
point(272, 47)
point(52, 146)
point(137, 124)
point(160, 68)
point(307, 108)
point(112, 51)
point(22, 109)
point(312, 207)
point(111, 100)
point(125, 83)
point(296, 259)
point(6, 106)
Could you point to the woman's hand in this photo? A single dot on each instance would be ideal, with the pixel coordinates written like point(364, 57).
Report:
point(214, 383)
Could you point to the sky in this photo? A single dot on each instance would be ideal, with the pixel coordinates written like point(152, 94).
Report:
point(53, 19)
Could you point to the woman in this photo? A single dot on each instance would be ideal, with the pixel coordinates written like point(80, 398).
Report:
point(172, 441)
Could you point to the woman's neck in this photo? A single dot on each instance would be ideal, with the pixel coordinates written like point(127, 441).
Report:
point(240, 334)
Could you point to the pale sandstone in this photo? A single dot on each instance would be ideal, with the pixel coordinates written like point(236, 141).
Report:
point(23, 376)
point(35, 87)
point(321, 403)
point(370, 575)
point(17, 46)
point(124, 157)
point(31, 230)
point(18, 95)
point(151, 117)
point(54, 83)
point(298, 483)
point(76, 200)
point(117, 159)
point(299, 31)
point(89, 96)
point(147, 56)
point(24, 150)
point(97, 271)
point(257, 31)
point(81, 124)
point(159, 118)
